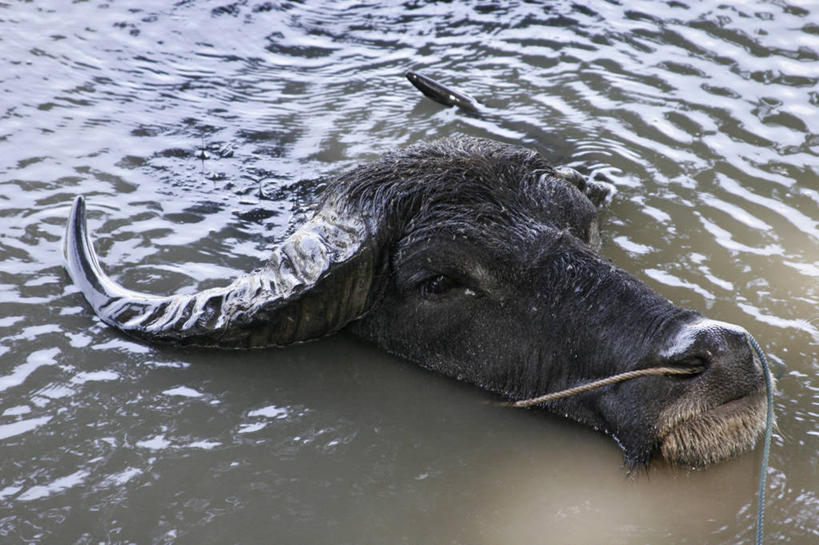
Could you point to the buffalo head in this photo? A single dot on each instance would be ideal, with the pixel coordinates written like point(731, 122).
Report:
point(476, 259)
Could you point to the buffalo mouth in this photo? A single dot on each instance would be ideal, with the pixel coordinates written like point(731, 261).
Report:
point(697, 436)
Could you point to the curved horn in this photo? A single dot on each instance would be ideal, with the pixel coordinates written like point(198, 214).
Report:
point(316, 282)
point(440, 93)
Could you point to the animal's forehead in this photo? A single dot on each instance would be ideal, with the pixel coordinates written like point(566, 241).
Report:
point(516, 187)
point(537, 198)
point(478, 183)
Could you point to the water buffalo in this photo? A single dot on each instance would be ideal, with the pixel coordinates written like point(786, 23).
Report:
point(478, 260)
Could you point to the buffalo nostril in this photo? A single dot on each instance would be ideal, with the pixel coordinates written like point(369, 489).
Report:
point(696, 364)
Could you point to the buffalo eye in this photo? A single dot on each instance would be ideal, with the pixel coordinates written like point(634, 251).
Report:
point(437, 286)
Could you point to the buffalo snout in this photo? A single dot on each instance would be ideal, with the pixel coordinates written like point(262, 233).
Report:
point(722, 411)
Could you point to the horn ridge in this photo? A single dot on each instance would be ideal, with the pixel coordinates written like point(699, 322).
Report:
point(316, 281)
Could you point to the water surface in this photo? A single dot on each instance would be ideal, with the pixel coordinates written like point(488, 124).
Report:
point(197, 131)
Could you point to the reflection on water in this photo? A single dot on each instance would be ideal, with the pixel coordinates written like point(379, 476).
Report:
point(192, 128)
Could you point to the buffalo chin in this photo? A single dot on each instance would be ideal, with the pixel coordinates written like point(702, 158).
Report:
point(697, 437)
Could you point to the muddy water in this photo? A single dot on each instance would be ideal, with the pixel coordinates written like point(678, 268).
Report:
point(193, 130)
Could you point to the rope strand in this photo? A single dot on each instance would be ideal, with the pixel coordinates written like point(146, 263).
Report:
point(766, 441)
point(628, 375)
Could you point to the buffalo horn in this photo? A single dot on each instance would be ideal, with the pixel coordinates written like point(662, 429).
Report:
point(316, 282)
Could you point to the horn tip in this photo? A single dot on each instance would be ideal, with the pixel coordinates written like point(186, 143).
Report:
point(79, 204)
point(79, 258)
point(75, 228)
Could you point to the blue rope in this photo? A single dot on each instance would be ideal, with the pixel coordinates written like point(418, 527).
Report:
point(766, 442)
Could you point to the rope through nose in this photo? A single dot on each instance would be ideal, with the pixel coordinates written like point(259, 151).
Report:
point(628, 375)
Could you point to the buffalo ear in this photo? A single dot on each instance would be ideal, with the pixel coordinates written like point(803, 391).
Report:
point(599, 193)
point(317, 281)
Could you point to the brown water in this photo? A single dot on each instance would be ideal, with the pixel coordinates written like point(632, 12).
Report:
point(192, 128)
